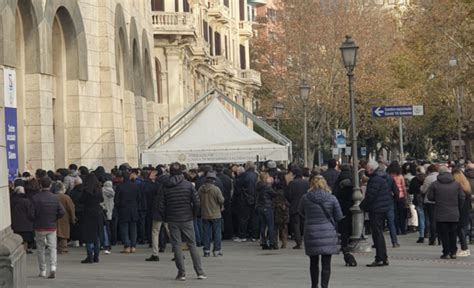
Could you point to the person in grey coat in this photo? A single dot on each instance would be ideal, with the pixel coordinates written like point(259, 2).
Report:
point(449, 197)
point(321, 211)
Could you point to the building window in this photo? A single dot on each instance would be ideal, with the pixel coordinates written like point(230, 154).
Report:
point(226, 48)
point(243, 60)
point(185, 6)
point(217, 36)
point(211, 33)
point(272, 14)
point(242, 9)
point(158, 80)
point(176, 5)
point(205, 28)
point(226, 3)
point(158, 5)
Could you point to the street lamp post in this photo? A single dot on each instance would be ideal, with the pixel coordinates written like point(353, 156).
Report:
point(349, 57)
point(278, 109)
point(304, 94)
point(453, 62)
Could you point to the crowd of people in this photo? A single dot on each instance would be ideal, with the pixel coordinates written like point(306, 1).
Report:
point(263, 202)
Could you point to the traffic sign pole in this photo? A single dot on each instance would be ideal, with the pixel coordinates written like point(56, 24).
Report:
point(402, 153)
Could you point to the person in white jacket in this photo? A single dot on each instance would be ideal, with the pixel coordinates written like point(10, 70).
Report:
point(432, 175)
point(108, 205)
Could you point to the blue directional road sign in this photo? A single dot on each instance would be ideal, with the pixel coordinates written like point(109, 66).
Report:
point(397, 111)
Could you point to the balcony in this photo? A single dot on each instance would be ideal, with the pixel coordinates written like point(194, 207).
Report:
point(173, 23)
point(251, 77)
point(219, 11)
point(257, 2)
point(221, 65)
point(245, 29)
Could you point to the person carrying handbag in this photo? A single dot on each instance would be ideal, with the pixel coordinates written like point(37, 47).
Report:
point(321, 211)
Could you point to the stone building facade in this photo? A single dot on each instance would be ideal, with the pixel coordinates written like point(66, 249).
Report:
point(94, 80)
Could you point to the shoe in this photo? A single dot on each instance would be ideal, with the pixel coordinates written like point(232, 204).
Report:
point(376, 264)
point(463, 253)
point(133, 250)
point(385, 263)
point(396, 245)
point(153, 258)
point(431, 243)
point(265, 247)
point(96, 259)
point(52, 274)
point(125, 251)
point(217, 253)
point(161, 250)
point(453, 256)
point(107, 252)
point(75, 244)
point(202, 277)
point(181, 277)
point(240, 240)
point(42, 274)
point(29, 252)
point(421, 240)
point(444, 256)
point(254, 240)
point(88, 260)
point(297, 247)
point(283, 246)
point(207, 254)
point(373, 246)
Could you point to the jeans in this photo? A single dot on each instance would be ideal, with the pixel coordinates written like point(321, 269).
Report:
point(401, 216)
point(184, 231)
point(391, 225)
point(106, 240)
point(462, 236)
point(212, 227)
point(432, 222)
point(376, 225)
point(155, 236)
point(93, 249)
point(48, 239)
point(325, 270)
point(128, 233)
point(197, 223)
point(448, 232)
point(295, 222)
point(141, 231)
point(421, 221)
point(266, 222)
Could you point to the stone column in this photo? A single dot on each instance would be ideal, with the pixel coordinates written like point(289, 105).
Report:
point(12, 253)
point(130, 126)
point(174, 69)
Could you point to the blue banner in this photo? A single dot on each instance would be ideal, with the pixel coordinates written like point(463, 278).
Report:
point(11, 137)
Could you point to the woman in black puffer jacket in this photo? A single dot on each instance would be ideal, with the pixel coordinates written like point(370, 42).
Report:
point(265, 195)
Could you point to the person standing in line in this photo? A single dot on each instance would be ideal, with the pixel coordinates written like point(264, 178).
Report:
point(418, 200)
point(322, 212)
point(265, 196)
point(395, 171)
point(227, 186)
point(212, 202)
point(76, 194)
point(282, 218)
point(343, 190)
point(464, 212)
point(248, 223)
point(178, 207)
point(449, 197)
point(93, 218)
point(23, 216)
point(377, 202)
point(64, 223)
point(296, 189)
point(108, 194)
point(470, 177)
point(331, 174)
point(157, 244)
point(431, 176)
point(48, 210)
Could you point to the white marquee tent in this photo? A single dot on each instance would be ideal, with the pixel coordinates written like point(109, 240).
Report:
point(214, 136)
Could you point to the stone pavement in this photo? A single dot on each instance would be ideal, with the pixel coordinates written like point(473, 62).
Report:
point(245, 265)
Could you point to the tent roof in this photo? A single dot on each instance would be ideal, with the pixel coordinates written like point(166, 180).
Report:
point(214, 130)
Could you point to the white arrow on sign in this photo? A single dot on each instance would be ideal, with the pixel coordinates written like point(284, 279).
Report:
point(379, 111)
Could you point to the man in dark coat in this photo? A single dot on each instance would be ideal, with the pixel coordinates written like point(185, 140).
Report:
point(22, 215)
point(248, 222)
point(331, 174)
point(343, 190)
point(296, 189)
point(158, 242)
point(449, 197)
point(178, 207)
point(127, 198)
point(378, 200)
point(48, 210)
point(227, 193)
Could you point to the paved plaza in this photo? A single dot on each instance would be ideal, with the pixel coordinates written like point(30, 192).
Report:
point(245, 265)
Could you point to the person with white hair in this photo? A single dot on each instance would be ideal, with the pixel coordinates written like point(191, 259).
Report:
point(448, 196)
point(377, 202)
